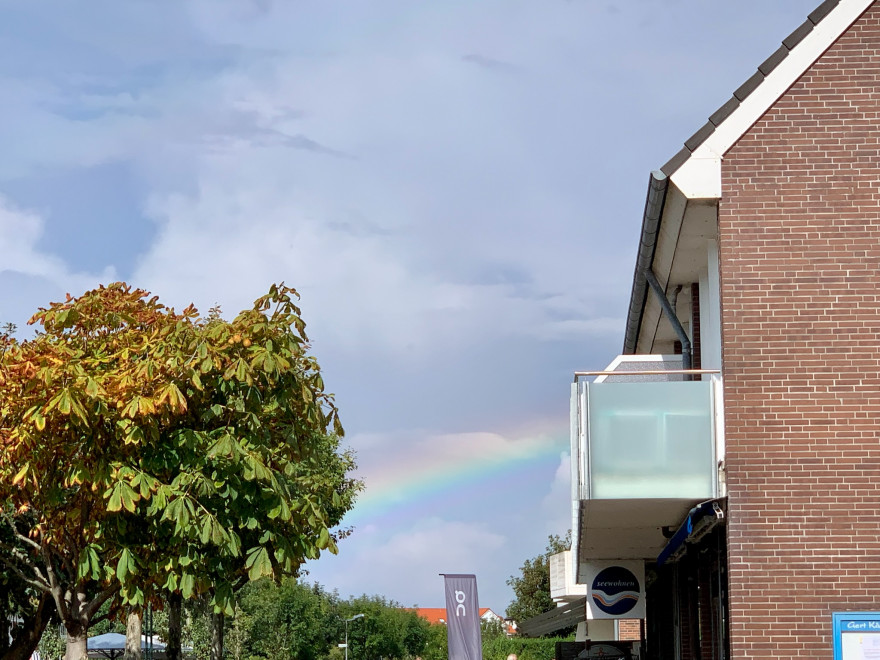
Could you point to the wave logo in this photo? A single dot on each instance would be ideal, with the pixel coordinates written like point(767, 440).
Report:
point(615, 590)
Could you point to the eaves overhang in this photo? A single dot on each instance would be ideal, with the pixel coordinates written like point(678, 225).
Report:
point(695, 172)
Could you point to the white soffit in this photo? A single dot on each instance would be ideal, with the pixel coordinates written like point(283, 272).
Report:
point(699, 177)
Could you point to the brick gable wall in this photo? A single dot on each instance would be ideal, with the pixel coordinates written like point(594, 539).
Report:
point(799, 241)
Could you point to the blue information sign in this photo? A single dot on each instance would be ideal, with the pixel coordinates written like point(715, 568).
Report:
point(856, 635)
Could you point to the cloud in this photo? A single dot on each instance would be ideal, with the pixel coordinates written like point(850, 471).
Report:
point(405, 565)
point(29, 277)
point(462, 227)
point(556, 504)
point(491, 64)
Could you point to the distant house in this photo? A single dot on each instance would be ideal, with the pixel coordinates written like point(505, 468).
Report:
point(438, 615)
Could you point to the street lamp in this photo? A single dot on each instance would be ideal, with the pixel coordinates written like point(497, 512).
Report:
point(347, 621)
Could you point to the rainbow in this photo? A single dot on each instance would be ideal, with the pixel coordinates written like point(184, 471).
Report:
point(420, 485)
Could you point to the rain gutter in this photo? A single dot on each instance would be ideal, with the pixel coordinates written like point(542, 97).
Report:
point(657, 186)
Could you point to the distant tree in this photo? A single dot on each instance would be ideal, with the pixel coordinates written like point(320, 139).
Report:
point(289, 620)
point(387, 630)
point(499, 648)
point(51, 645)
point(491, 628)
point(436, 643)
point(531, 587)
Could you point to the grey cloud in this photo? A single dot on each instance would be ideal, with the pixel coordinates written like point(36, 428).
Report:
point(502, 274)
point(356, 225)
point(307, 144)
point(491, 63)
point(268, 137)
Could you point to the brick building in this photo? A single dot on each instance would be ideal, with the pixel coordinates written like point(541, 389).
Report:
point(739, 459)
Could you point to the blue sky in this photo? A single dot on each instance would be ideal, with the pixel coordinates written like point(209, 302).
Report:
point(455, 188)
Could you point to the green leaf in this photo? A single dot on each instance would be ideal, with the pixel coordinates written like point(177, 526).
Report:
point(122, 497)
point(125, 565)
point(89, 564)
point(92, 387)
point(171, 583)
point(64, 402)
point(218, 535)
point(323, 538)
point(241, 370)
point(187, 585)
point(258, 563)
point(115, 503)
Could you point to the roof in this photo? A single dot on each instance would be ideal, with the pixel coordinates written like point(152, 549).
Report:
point(438, 614)
point(751, 85)
point(694, 173)
point(564, 616)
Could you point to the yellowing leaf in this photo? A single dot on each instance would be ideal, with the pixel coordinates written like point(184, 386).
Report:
point(21, 474)
point(39, 421)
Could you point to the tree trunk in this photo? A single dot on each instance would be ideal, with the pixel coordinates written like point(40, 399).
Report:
point(216, 636)
point(27, 638)
point(76, 645)
point(133, 636)
point(175, 607)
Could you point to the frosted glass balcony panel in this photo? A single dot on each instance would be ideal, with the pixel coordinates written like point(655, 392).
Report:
point(650, 440)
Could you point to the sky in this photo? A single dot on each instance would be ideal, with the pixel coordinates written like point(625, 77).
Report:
point(455, 189)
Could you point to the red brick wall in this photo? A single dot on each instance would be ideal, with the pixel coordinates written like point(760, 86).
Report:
point(630, 629)
point(799, 240)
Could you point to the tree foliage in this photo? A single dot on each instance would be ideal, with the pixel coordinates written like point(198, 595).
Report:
point(531, 587)
point(151, 450)
point(387, 630)
point(542, 648)
point(290, 620)
point(294, 619)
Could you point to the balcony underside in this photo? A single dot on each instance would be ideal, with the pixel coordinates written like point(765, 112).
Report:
point(627, 528)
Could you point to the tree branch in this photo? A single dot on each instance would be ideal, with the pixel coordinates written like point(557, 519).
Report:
point(40, 586)
point(21, 537)
point(55, 587)
point(21, 556)
point(99, 600)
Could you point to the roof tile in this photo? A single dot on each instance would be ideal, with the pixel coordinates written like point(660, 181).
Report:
point(700, 136)
point(797, 36)
point(724, 111)
point(676, 161)
point(773, 61)
point(749, 86)
point(822, 11)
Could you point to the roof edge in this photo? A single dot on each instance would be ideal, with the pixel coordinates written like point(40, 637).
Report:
point(789, 45)
point(658, 184)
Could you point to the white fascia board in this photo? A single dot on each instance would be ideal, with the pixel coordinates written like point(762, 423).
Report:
point(700, 176)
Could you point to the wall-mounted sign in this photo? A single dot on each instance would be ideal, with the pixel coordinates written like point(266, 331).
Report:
point(615, 589)
point(856, 635)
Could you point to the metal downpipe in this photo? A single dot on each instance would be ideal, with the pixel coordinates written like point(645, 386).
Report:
point(686, 350)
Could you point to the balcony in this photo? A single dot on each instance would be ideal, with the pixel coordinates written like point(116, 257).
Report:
point(646, 446)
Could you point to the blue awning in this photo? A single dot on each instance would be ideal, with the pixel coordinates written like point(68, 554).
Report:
point(703, 517)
